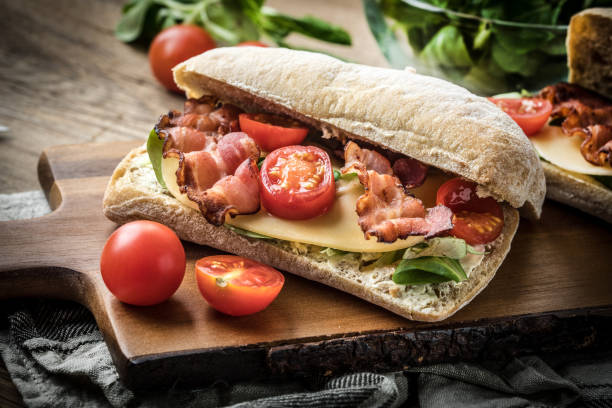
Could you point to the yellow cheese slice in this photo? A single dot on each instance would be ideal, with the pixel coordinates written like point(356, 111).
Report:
point(337, 229)
point(564, 151)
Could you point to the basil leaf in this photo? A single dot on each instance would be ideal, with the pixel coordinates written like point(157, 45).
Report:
point(416, 271)
point(482, 36)
point(132, 22)
point(386, 39)
point(282, 24)
point(337, 174)
point(447, 48)
point(418, 277)
point(227, 21)
point(155, 147)
point(246, 233)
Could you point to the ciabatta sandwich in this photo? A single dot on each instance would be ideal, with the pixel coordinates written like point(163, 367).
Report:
point(391, 236)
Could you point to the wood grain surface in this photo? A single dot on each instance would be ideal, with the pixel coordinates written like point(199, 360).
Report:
point(65, 79)
point(57, 256)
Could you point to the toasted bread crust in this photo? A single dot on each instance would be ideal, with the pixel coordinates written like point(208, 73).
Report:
point(431, 120)
point(564, 187)
point(589, 42)
point(133, 193)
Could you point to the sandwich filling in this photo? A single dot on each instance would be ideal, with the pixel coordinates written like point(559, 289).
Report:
point(578, 137)
point(382, 213)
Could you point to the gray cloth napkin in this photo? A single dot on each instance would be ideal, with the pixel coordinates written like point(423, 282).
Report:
point(56, 357)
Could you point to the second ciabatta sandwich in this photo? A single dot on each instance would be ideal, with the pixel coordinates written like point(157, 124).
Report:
point(404, 142)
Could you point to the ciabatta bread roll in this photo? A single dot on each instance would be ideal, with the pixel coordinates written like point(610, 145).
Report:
point(433, 121)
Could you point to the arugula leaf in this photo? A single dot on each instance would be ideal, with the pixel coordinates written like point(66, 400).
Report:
point(154, 149)
point(246, 233)
point(429, 269)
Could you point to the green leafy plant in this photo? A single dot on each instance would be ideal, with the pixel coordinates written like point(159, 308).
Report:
point(228, 21)
point(491, 46)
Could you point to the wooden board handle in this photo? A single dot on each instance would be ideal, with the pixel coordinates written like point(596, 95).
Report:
point(52, 255)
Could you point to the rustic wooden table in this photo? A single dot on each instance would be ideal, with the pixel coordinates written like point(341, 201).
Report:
point(65, 79)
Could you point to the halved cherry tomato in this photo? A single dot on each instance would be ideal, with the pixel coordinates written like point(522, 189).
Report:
point(252, 44)
point(476, 220)
point(237, 286)
point(143, 263)
point(531, 114)
point(297, 182)
point(271, 132)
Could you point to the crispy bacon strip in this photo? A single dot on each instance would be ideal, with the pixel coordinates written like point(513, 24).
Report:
point(586, 114)
point(217, 164)
point(359, 160)
point(222, 180)
point(237, 194)
point(597, 145)
point(386, 211)
point(198, 128)
point(411, 172)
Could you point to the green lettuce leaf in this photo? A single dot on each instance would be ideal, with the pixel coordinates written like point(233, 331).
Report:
point(154, 148)
point(449, 247)
point(246, 233)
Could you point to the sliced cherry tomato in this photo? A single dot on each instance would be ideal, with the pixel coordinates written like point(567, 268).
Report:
point(476, 220)
point(271, 132)
point(237, 286)
point(143, 263)
point(173, 46)
point(297, 182)
point(531, 114)
point(252, 44)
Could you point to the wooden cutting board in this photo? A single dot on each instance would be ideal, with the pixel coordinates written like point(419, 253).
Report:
point(557, 267)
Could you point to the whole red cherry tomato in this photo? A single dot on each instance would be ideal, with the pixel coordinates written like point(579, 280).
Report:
point(237, 286)
point(271, 132)
point(297, 182)
point(476, 220)
point(173, 46)
point(531, 114)
point(143, 263)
